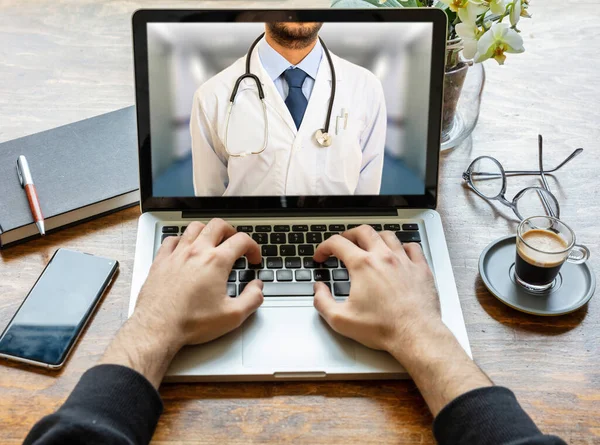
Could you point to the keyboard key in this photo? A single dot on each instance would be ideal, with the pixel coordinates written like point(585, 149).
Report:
point(260, 238)
point(321, 275)
point(288, 289)
point(306, 250)
point(165, 236)
point(232, 276)
point(331, 263)
point(170, 229)
point(268, 250)
point(337, 227)
point(309, 263)
point(266, 275)
point(256, 266)
point(340, 275)
point(314, 237)
point(278, 238)
point(410, 227)
point(295, 238)
point(241, 287)
point(231, 290)
point(409, 237)
point(285, 275)
point(274, 263)
point(329, 235)
point(341, 289)
point(263, 228)
point(183, 228)
point(293, 263)
point(392, 227)
point(247, 275)
point(246, 229)
point(288, 250)
point(300, 228)
point(377, 227)
point(303, 275)
point(353, 226)
point(240, 263)
point(281, 228)
point(318, 228)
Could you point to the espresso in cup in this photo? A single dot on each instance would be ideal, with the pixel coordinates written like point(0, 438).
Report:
point(540, 266)
point(544, 244)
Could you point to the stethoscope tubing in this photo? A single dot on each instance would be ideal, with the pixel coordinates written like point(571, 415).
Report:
point(261, 94)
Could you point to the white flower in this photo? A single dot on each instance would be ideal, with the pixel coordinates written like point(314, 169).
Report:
point(455, 5)
point(515, 13)
point(469, 34)
point(496, 41)
point(497, 6)
point(471, 10)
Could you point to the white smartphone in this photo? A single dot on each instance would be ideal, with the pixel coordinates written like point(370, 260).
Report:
point(49, 321)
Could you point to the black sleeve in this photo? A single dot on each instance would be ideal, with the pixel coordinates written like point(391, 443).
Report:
point(490, 416)
point(111, 404)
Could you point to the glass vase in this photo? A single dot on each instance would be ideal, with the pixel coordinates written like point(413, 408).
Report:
point(463, 88)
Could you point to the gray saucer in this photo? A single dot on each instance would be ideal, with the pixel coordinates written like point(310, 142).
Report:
point(573, 287)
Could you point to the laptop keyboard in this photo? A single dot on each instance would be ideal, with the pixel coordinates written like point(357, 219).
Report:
point(287, 268)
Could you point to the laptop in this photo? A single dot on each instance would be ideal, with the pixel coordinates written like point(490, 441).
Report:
point(199, 160)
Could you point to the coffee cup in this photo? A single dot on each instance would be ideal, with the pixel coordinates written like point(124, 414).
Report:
point(544, 244)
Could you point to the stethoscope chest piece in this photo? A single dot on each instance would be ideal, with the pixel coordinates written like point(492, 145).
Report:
point(323, 138)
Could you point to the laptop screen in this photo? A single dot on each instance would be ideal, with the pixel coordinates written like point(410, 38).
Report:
point(346, 108)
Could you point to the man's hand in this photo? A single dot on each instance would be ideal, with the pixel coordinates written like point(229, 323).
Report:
point(184, 300)
point(392, 297)
point(185, 293)
point(394, 306)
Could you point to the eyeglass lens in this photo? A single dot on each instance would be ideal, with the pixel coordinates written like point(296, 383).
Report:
point(487, 177)
point(530, 202)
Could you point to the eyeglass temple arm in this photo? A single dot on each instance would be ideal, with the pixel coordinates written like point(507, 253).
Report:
point(534, 172)
point(547, 205)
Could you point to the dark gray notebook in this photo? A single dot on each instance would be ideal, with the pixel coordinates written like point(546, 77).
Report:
point(81, 170)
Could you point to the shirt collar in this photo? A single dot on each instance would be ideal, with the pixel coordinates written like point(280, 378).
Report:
point(275, 64)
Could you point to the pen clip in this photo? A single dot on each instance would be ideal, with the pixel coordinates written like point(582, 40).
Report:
point(21, 181)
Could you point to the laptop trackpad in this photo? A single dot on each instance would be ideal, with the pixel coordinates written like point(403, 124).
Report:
point(284, 337)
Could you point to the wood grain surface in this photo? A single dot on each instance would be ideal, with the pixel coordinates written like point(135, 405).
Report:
point(65, 60)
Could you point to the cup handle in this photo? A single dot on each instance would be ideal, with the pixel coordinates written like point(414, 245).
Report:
point(579, 254)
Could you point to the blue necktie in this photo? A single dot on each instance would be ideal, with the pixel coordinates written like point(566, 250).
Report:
point(295, 101)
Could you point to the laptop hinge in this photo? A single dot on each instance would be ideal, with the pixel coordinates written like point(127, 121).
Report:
point(251, 213)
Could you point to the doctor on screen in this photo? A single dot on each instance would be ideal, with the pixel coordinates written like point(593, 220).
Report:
point(296, 140)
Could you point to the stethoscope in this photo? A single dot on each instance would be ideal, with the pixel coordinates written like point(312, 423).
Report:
point(322, 135)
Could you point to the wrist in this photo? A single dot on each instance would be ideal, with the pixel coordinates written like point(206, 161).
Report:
point(416, 345)
point(143, 349)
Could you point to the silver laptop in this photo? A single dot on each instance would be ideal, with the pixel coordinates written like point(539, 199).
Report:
point(329, 120)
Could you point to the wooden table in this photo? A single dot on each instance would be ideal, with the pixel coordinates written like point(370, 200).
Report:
point(65, 60)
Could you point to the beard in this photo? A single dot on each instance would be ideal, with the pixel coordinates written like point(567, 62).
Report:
point(294, 37)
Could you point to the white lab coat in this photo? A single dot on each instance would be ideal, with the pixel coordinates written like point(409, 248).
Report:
point(293, 162)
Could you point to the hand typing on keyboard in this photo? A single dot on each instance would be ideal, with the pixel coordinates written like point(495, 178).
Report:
point(393, 294)
point(191, 272)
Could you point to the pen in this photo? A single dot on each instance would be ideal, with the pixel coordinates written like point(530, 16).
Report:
point(27, 183)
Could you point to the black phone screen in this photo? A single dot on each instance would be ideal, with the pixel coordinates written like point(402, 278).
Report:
point(57, 307)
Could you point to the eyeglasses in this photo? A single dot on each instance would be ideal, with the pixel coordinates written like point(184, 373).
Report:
point(486, 177)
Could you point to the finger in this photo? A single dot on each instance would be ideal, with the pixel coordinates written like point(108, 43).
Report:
point(167, 248)
point(191, 233)
point(366, 238)
point(247, 302)
point(339, 247)
point(415, 253)
point(238, 245)
point(214, 233)
point(392, 241)
point(326, 305)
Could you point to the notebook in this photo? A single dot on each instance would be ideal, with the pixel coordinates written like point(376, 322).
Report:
point(82, 170)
